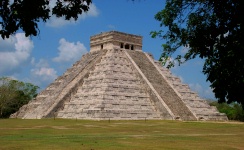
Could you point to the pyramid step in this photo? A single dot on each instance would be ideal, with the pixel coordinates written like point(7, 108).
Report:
point(116, 83)
point(166, 92)
point(110, 114)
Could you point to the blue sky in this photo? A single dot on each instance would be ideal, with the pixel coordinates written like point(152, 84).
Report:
point(41, 59)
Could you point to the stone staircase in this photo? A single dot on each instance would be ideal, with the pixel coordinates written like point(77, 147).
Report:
point(200, 107)
point(49, 100)
point(166, 92)
point(117, 81)
point(108, 84)
point(112, 91)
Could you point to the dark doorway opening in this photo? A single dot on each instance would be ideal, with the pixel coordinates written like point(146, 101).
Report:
point(127, 46)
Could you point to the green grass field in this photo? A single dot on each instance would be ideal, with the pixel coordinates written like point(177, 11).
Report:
point(17, 134)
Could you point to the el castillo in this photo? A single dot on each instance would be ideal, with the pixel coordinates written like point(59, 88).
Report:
point(116, 80)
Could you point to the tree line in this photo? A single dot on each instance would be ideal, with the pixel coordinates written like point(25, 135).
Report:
point(234, 111)
point(14, 94)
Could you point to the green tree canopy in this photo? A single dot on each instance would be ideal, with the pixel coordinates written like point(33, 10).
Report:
point(233, 110)
point(212, 30)
point(25, 14)
point(14, 94)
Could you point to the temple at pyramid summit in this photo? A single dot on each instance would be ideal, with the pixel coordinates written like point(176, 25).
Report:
point(116, 80)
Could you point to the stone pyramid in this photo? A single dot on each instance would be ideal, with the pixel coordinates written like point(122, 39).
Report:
point(116, 80)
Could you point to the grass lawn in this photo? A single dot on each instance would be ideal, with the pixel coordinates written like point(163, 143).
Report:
point(60, 134)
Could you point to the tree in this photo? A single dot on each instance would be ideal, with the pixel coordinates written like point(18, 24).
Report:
point(25, 14)
point(14, 94)
point(233, 111)
point(212, 30)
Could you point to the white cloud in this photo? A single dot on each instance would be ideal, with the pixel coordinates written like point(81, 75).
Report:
point(112, 27)
point(59, 22)
point(181, 79)
point(203, 92)
point(175, 62)
point(184, 50)
point(14, 52)
point(7, 45)
point(196, 87)
point(42, 63)
point(69, 51)
point(33, 61)
point(93, 12)
point(42, 74)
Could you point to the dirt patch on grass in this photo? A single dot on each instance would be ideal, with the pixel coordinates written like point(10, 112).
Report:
point(60, 127)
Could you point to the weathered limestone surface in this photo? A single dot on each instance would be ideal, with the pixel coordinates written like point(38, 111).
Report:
point(199, 107)
point(118, 81)
point(169, 96)
point(52, 98)
point(112, 91)
point(115, 39)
